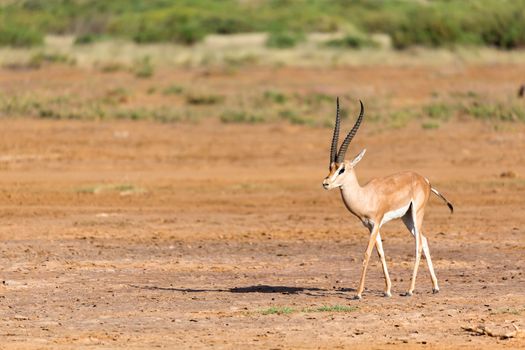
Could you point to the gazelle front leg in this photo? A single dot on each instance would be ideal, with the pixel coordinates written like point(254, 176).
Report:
point(381, 253)
point(368, 251)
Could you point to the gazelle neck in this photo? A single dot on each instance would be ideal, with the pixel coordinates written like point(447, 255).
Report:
point(352, 193)
point(351, 184)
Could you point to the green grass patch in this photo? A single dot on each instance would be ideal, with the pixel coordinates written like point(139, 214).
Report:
point(275, 310)
point(332, 308)
point(286, 310)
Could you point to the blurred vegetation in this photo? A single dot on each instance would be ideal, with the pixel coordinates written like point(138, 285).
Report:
point(182, 103)
point(432, 23)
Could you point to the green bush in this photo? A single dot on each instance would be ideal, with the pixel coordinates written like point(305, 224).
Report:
point(426, 27)
point(19, 36)
point(436, 23)
point(182, 32)
point(352, 41)
point(188, 33)
point(504, 29)
point(284, 39)
point(86, 39)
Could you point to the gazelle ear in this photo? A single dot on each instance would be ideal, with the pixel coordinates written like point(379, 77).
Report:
point(358, 158)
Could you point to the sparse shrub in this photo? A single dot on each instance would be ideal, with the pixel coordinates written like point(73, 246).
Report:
point(352, 41)
point(166, 116)
point(42, 57)
point(116, 96)
point(316, 99)
point(173, 90)
point(111, 67)
point(240, 117)
point(495, 111)
point(132, 114)
point(48, 113)
point(194, 99)
point(293, 118)
point(430, 125)
point(439, 111)
point(143, 68)
point(399, 119)
point(275, 96)
point(283, 39)
point(86, 39)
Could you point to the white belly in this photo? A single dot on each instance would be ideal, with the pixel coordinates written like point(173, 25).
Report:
point(394, 214)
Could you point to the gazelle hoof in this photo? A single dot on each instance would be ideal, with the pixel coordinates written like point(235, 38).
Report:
point(435, 290)
point(387, 294)
point(407, 294)
point(357, 297)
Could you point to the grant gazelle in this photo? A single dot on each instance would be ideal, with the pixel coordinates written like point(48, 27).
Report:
point(403, 195)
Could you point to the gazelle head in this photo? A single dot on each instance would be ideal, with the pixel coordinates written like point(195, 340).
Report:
point(339, 167)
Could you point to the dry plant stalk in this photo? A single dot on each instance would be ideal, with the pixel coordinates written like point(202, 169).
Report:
point(484, 330)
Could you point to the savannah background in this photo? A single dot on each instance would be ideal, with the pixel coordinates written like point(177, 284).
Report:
point(161, 165)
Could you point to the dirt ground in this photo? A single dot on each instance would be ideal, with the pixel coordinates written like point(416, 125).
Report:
point(123, 234)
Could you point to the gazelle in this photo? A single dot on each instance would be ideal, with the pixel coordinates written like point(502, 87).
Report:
point(403, 195)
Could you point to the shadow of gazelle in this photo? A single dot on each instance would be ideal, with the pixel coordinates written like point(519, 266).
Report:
point(253, 289)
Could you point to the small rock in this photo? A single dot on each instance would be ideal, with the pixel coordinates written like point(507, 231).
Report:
point(509, 174)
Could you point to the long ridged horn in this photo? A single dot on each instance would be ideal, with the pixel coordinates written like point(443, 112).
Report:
point(335, 137)
point(344, 146)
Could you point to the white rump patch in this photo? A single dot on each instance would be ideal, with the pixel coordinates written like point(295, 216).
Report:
point(394, 214)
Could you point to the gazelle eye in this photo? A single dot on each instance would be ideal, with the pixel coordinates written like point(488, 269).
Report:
point(341, 171)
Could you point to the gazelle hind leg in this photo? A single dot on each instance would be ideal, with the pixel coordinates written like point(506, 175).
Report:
point(410, 220)
point(381, 253)
point(426, 251)
point(415, 225)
